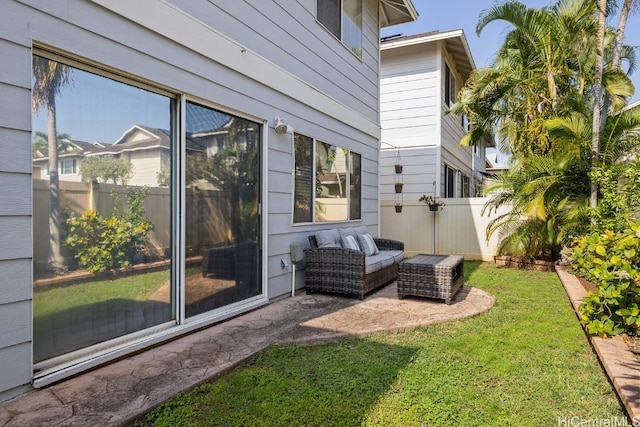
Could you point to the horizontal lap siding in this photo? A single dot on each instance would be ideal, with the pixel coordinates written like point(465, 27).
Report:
point(15, 207)
point(409, 96)
point(286, 33)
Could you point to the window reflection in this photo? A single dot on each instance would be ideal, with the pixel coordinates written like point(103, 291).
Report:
point(222, 195)
point(337, 182)
point(97, 208)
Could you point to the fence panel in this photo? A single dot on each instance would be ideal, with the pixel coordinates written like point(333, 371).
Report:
point(459, 228)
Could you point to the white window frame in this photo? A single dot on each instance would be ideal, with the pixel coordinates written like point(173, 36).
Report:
point(355, 50)
point(450, 184)
point(74, 167)
point(349, 165)
point(450, 85)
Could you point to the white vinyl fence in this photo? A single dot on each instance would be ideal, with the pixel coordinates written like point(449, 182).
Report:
point(459, 228)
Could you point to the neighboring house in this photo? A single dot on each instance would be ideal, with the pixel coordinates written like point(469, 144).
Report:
point(493, 166)
point(69, 160)
point(198, 69)
point(421, 76)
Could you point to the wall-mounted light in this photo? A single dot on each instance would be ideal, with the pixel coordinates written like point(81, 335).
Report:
point(281, 127)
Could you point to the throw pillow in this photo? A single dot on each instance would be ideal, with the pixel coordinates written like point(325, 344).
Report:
point(349, 242)
point(367, 244)
point(328, 238)
point(349, 231)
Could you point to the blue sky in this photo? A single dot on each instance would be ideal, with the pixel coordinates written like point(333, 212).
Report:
point(463, 14)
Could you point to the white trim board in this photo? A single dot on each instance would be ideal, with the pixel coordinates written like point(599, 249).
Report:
point(169, 21)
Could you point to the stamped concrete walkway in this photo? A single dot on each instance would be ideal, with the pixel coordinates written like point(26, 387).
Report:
point(118, 393)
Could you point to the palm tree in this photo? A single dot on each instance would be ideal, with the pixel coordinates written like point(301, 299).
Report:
point(545, 68)
point(50, 78)
point(41, 142)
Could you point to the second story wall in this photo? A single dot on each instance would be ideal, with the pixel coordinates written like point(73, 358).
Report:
point(409, 101)
point(287, 33)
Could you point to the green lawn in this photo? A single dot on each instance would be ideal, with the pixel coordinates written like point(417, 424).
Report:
point(526, 362)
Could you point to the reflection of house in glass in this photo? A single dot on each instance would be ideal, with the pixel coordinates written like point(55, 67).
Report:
point(69, 160)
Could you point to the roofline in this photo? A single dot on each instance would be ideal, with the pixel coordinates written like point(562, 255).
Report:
point(429, 38)
point(405, 7)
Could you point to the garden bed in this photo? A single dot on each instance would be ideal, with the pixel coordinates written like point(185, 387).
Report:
point(524, 263)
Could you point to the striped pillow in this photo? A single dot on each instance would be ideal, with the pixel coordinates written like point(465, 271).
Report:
point(367, 244)
point(349, 242)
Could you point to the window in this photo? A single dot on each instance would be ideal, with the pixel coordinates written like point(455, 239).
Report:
point(449, 182)
point(343, 18)
point(450, 94)
point(98, 108)
point(327, 182)
point(68, 167)
point(187, 218)
point(464, 121)
point(465, 186)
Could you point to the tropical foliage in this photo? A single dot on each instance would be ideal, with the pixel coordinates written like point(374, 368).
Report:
point(103, 242)
point(105, 169)
point(538, 98)
point(610, 260)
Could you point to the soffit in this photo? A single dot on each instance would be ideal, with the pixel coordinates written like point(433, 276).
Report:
point(396, 12)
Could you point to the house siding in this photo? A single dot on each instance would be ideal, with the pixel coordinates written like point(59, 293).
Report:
point(281, 32)
point(15, 211)
point(408, 96)
point(414, 120)
point(286, 33)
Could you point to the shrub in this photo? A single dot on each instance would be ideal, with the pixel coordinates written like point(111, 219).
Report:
point(100, 243)
point(611, 260)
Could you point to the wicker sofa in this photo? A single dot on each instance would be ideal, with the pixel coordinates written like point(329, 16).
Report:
point(332, 268)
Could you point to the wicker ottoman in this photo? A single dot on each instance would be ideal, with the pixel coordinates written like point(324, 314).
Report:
point(432, 276)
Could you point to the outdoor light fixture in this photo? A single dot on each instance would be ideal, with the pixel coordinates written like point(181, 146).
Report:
point(281, 127)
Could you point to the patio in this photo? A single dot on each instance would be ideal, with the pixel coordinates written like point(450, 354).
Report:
point(117, 393)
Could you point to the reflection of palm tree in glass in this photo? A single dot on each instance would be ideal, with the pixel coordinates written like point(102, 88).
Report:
point(233, 170)
point(50, 78)
point(63, 141)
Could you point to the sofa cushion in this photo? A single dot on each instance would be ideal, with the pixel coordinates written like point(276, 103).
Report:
point(371, 265)
point(348, 231)
point(367, 244)
point(361, 230)
point(384, 259)
point(349, 242)
point(397, 256)
point(328, 238)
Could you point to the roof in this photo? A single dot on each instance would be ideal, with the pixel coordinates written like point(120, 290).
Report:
point(455, 43)
point(395, 12)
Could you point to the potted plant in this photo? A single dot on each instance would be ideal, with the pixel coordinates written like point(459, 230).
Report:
point(398, 186)
point(433, 203)
point(398, 208)
point(398, 168)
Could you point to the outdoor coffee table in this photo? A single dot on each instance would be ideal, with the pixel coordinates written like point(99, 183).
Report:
point(432, 276)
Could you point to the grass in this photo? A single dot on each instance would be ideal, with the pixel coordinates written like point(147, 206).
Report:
point(526, 362)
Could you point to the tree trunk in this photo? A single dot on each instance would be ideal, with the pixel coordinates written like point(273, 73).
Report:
point(615, 60)
point(597, 96)
point(56, 262)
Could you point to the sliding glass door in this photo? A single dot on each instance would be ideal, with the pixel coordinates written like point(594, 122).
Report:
point(222, 199)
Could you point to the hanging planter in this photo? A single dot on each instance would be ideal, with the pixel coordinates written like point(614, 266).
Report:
point(398, 187)
point(398, 208)
point(398, 165)
point(433, 203)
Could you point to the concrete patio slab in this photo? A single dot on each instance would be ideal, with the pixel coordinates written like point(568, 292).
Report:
point(118, 393)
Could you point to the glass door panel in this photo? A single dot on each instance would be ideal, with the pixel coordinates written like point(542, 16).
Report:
point(101, 209)
point(222, 197)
